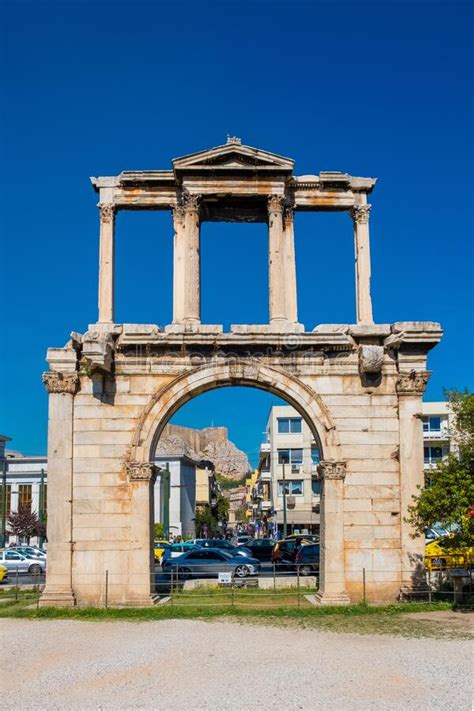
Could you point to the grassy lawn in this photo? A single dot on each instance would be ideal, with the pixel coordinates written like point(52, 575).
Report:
point(263, 607)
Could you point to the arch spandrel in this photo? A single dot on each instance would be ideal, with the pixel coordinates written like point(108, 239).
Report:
point(167, 400)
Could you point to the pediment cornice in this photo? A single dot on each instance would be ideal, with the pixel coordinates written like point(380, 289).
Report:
point(233, 156)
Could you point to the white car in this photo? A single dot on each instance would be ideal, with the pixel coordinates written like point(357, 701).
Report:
point(13, 561)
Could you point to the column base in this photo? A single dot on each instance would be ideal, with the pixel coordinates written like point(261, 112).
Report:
point(416, 591)
point(57, 599)
point(193, 327)
point(332, 598)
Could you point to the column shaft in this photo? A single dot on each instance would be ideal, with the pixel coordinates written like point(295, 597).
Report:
point(179, 265)
point(276, 255)
point(192, 271)
point(289, 275)
point(360, 216)
point(141, 559)
point(106, 263)
point(59, 589)
point(332, 564)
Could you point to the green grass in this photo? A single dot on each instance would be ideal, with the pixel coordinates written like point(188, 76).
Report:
point(261, 607)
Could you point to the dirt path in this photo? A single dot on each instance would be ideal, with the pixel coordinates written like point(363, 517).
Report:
point(183, 664)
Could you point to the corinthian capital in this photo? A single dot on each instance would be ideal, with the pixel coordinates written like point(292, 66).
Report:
point(360, 213)
point(107, 211)
point(276, 204)
point(61, 382)
point(178, 213)
point(332, 470)
point(412, 383)
point(190, 201)
point(141, 471)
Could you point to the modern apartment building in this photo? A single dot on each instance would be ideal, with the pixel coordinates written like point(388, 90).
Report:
point(437, 418)
point(288, 462)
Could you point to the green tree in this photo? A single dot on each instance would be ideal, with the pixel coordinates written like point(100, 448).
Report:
point(449, 491)
point(222, 509)
point(158, 531)
point(205, 522)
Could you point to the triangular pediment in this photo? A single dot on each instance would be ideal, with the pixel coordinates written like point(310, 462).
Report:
point(233, 156)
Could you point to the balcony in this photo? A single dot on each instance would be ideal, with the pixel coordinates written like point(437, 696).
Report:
point(437, 434)
point(265, 505)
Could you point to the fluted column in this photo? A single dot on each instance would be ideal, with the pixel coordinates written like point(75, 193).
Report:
point(179, 265)
point(192, 269)
point(289, 266)
point(61, 388)
point(276, 254)
point(332, 585)
point(142, 477)
point(106, 262)
point(410, 388)
point(360, 217)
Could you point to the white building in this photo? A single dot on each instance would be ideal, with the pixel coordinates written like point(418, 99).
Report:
point(291, 454)
point(437, 418)
point(182, 494)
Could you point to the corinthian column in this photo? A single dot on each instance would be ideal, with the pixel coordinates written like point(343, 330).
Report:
point(410, 388)
point(289, 266)
point(332, 580)
point(106, 262)
point(192, 260)
point(276, 255)
point(360, 217)
point(61, 388)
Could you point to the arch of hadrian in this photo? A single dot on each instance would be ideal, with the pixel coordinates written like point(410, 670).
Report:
point(112, 389)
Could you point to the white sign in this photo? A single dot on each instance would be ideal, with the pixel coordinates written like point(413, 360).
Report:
point(225, 578)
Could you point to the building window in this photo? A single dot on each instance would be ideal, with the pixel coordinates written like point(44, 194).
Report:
point(289, 425)
point(24, 497)
point(315, 458)
point(290, 456)
point(432, 455)
point(293, 487)
point(8, 500)
point(316, 487)
point(431, 424)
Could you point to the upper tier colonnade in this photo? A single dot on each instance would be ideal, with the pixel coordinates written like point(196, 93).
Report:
point(233, 183)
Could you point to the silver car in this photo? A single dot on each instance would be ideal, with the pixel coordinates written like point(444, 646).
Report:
point(13, 561)
point(211, 561)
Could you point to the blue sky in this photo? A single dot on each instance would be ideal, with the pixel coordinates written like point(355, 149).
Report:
point(92, 88)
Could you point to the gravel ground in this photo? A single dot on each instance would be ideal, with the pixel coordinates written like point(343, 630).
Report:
point(184, 664)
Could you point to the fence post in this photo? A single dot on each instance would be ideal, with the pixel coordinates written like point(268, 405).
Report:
point(364, 597)
point(106, 589)
point(232, 592)
point(274, 581)
point(16, 586)
point(298, 585)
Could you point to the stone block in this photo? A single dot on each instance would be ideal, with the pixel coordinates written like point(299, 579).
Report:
point(358, 505)
point(370, 437)
point(372, 492)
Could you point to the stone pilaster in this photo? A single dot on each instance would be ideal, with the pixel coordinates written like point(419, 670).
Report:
point(410, 388)
point(179, 264)
point(192, 270)
point(289, 266)
point(106, 262)
point(142, 477)
point(276, 254)
point(360, 217)
point(332, 565)
point(61, 388)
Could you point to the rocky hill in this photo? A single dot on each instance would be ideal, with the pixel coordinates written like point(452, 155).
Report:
point(211, 444)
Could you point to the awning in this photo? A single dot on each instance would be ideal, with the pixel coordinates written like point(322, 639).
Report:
point(300, 517)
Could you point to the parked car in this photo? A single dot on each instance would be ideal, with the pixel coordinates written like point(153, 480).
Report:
point(211, 562)
point(30, 552)
point(175, 550)
point(3, 574)
point(261, 548)
point(285, 551)
point(14, 561)
point(242, 539)
point(309, 537)
point(439, 555)
point(307, 559)
point(159, 548)
point(222, 544)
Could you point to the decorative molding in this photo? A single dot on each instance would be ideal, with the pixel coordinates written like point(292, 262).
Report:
point(412, 383)
point(107, 211)
point(370, 359)
point(56, 382)
point(141, 471)
point(234, 139)
point(289, 214)
point(190, 201)
point(332, 470)
point(178, 213)
point(360, 214)
point(276, 203)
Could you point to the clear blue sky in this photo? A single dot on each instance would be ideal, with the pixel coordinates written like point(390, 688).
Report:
point(92, 88)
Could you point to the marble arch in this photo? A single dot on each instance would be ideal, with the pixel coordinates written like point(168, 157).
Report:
point(112, 388)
